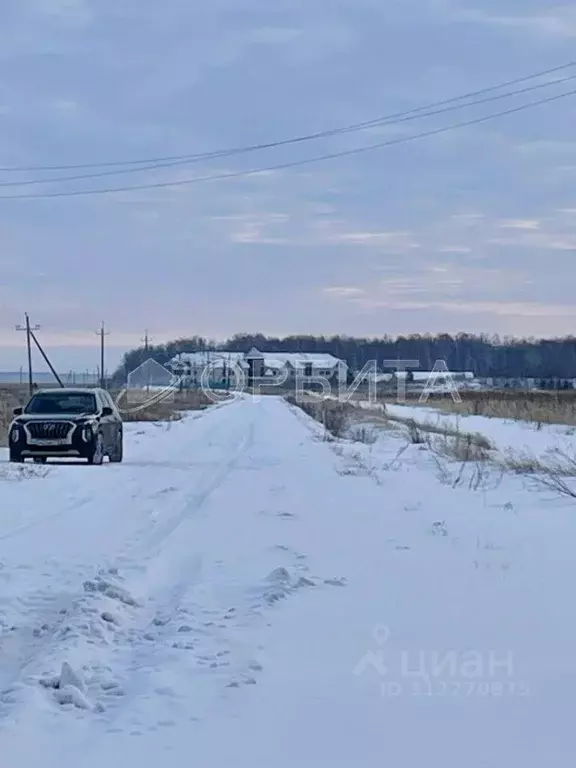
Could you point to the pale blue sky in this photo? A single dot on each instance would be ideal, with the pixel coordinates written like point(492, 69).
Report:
point(473, 230)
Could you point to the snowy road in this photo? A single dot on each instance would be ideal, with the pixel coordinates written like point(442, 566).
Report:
point(241, 592)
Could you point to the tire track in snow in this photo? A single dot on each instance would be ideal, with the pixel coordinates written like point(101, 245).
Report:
point(172, 573)
point(46, 519)
point(151, 545)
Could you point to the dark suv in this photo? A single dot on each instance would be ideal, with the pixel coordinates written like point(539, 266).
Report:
point(80, 423)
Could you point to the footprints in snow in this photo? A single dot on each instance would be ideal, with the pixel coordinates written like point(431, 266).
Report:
point(203, 639)
point(110, 588)
point(195, 640)
point(279, 513)
point(281, 583)
point(165, 491)
point(301, 567)
point(18, 473)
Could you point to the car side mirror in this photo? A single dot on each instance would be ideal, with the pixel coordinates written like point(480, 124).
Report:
point(107, 411)
point(18, 411)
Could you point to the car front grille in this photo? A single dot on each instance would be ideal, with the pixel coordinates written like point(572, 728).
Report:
point(49, 430)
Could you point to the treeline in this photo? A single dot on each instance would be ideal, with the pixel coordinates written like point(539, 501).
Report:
point(483, 355)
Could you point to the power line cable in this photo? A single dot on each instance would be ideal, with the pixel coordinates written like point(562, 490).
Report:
point(297, 139)
point(294, 163)
point(384, 121)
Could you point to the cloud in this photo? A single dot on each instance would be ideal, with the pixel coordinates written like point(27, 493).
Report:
point(512, 309)
point(556, 21)
point(344, 291)
point(559, 22)
point(523, 224)
point(255, 228)
point(440, 233)
point(462, 249)
point(330, 232)
point(545, 241)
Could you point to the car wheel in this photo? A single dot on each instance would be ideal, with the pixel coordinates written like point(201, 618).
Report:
point(117, 454)
point(98, 453)
point(16, 458)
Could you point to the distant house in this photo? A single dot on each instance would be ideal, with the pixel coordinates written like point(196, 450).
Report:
point(293, 364)
point(416, 380)
point(218, 366)
point(421, 377)
point(214, 366)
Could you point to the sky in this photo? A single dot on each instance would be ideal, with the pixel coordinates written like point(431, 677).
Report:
point(468, 230)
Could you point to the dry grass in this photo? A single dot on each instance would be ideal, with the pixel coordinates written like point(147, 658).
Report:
point(334, 416)
point(5, 419)
point(154, 412)
point(557, 462)
point(343, 419)
point(556, 472)
point(466, 457)
point(539, 407)
point(418, 432)
point(141, 406)
point(460, 447)
point(363, 433)
point(10, 397)
point(16, 393)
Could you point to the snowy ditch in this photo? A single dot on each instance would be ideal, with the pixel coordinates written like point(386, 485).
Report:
point(547, 457)
point(71, 654)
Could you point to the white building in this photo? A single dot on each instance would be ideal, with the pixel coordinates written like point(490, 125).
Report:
point(421, 377)
point(191, 366)
point(214, 366)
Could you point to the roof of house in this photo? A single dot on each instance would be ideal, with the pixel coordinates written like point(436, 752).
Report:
point(318, 361)
point(425, 375)
point(208, 356)
point(297, 359)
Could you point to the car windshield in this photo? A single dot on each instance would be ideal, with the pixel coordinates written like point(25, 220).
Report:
point(69, 402)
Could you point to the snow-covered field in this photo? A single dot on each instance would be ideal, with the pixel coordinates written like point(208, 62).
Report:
point(508, 435)
point(242, 592)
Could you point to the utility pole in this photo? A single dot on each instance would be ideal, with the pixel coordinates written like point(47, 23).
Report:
point(46, 359)
point(146, 340)
point(102, 333)
point(28, 328)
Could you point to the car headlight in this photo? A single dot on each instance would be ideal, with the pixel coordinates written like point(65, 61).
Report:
point(15, 434)
point(87, 433)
